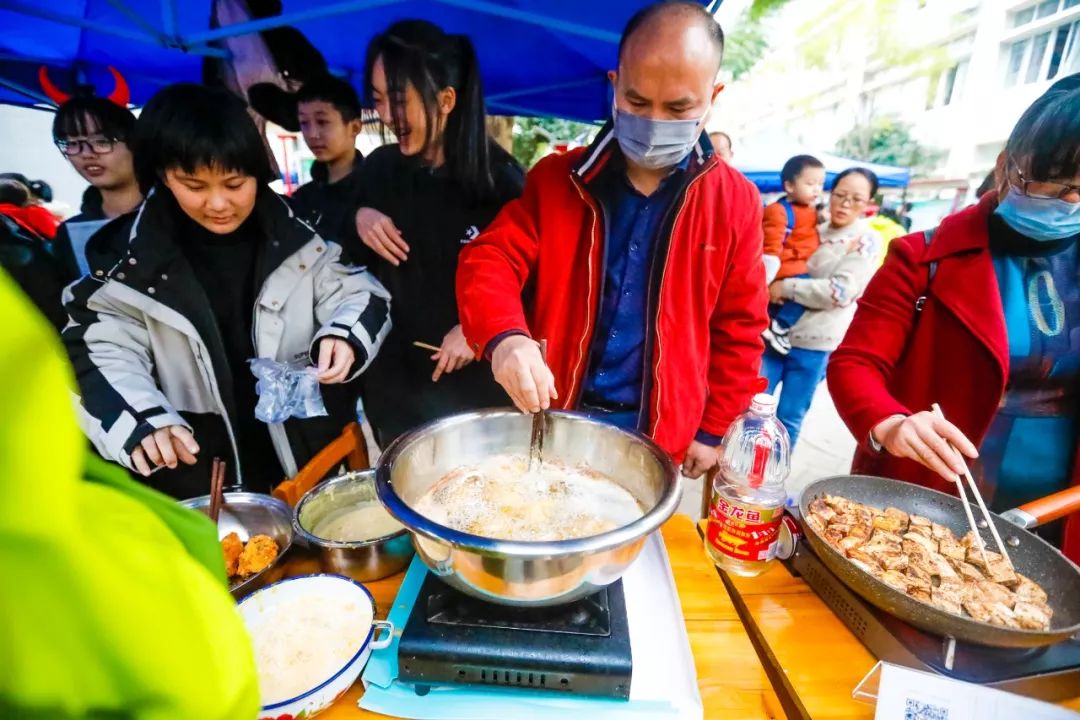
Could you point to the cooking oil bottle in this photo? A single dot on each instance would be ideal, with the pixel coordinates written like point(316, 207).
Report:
point(748, 492)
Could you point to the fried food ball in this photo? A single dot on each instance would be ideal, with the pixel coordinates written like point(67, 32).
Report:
point(231, 547)
point(259, 552)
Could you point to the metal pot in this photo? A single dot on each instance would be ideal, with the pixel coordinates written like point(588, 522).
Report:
point(361, 560)
point(526, 574)
point(249, 514)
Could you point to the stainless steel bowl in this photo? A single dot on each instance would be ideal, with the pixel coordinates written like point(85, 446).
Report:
point(249, 514)
point(526, 573)
point(361, 560)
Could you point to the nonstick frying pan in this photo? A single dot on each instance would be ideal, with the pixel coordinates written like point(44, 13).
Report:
point(1031, 556)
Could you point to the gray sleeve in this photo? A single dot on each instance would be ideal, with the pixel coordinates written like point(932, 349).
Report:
point(118, 402)
point(352, 305)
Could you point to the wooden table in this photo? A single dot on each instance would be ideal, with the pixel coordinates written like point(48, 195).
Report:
point(813, 660)
point(732, 681)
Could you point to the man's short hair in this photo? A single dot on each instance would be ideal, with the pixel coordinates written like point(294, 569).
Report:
point(334, 91)
point(794, 167)
point(649, 12)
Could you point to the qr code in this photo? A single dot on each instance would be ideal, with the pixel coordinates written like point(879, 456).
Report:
point(918, 710)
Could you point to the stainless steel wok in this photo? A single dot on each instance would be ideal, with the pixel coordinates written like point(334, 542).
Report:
point(526, 573)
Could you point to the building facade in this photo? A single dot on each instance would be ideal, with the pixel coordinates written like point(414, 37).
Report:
point(960, 72)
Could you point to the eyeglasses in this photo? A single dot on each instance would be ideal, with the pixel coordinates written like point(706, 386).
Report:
point(843, 200)
point(96, 145)
point(1041, 190)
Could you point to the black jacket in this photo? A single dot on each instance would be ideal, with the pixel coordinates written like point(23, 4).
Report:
point(437, 220)
point(330, 208)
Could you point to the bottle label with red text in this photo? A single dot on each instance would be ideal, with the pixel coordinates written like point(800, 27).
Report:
point(743, 532)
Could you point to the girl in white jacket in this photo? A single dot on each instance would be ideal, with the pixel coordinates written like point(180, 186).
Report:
point(840, 270)
point(211, 271)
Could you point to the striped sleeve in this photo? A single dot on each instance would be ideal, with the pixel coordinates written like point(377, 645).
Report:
point(119, 402)
point(352, 305)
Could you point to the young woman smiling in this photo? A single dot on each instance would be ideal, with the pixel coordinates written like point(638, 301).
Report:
point(423, 200)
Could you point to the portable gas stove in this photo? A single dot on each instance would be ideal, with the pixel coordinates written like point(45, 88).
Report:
point(582, 648)
point(1048, 673)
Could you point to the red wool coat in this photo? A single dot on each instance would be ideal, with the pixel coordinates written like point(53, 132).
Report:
point(955, 352)
point(538, 269)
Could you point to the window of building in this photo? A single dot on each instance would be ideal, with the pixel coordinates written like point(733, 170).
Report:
point(1040, 10)
point(1046, 9)
point(1035, 59)
point(1045, 56)
point(1017, 52)
point(1023, 17)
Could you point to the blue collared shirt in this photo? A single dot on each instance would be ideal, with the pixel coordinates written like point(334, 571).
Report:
point(618, 350)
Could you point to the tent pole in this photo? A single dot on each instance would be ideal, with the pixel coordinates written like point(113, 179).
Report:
point(136, 18)
point(499, 97)
point(168, 17)
point(27, 92)
point(534, 19)
point(254, 26)
point(53, 16)
point(104, 28)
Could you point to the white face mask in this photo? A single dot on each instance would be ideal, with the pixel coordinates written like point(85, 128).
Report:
point(655, 144)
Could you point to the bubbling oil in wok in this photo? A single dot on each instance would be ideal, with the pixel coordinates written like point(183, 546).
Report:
point(501, 498)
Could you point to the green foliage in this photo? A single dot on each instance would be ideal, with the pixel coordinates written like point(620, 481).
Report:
point(534, 136)
point(761, 8)
point(744, 46)
point(889, 142)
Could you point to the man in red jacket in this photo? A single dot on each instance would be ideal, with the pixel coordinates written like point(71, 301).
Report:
point(639, 259)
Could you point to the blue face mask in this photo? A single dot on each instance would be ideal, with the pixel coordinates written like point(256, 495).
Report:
point(655, 144)
point(1045, 219)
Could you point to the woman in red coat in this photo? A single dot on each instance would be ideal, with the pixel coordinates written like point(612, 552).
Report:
point(983, 317)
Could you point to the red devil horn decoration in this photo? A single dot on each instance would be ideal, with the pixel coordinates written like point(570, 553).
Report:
point(120, 94)
point(55, 94)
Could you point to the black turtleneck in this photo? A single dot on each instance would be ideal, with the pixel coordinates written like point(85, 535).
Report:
point(225, 268)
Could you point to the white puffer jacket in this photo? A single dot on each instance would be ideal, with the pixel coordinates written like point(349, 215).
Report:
point(144, 353)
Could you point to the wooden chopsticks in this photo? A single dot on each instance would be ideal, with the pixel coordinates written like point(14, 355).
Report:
point(982, 506)
point(217, 485)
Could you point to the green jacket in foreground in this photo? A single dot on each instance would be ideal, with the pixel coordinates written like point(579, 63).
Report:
point(113, 599)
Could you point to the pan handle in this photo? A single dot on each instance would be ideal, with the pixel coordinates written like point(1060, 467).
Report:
point(1041, 511)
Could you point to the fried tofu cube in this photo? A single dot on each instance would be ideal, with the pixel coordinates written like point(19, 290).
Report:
point(927, 544)
point(821, 509)
point(950, 547)
point(889, 523)
point(1027, 589)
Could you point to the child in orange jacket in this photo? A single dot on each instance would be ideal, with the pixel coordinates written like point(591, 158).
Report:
point(791, 237)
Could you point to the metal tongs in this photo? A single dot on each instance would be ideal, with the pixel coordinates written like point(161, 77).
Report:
point(987, 517)
point(539, 419)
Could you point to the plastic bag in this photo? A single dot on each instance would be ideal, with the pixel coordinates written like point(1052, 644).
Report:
point(286, 390)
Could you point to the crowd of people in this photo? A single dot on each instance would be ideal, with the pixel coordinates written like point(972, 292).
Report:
point(659, 284)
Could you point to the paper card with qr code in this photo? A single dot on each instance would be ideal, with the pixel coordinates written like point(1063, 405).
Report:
point(905, 694)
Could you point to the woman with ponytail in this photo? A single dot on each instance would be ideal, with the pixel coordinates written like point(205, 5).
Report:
point(422, 200)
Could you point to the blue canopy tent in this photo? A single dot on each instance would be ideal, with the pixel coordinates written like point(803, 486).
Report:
point(538, 57)
point(761, 159)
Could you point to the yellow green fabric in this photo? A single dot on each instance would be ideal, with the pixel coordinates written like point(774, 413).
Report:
point(889, 230)
point(113, 599)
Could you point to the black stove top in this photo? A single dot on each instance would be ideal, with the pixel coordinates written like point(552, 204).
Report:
point(1049, 673)
point(581, 648)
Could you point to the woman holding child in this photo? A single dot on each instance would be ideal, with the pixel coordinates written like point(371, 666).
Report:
point(837, 274)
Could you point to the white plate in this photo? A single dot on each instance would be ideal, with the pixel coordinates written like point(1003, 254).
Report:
point(254, 607)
